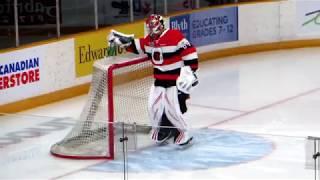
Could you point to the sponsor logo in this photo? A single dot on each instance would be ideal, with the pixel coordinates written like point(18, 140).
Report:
point(39, 130)
point(19, 73)
point(89, 54)
point(315, 18)
point(182, 25)
point(214, 26)
point(93, 46)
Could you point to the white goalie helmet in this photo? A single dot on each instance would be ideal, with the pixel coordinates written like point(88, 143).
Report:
point(155, 25)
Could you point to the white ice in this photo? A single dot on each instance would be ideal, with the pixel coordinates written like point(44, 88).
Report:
point(275, 95)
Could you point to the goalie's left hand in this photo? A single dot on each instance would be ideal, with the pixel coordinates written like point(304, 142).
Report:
point(120, 39)
point(187, 80)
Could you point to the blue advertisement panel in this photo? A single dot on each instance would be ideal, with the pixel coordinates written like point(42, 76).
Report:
point(182, 23)
point(214, 26)
point(208, 27)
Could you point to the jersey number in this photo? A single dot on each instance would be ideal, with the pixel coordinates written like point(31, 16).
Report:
point(157, 56)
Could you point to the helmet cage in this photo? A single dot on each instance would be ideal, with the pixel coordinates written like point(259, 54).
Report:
point(154, 24)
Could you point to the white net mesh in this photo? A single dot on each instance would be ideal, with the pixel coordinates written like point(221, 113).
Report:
point(120, 96)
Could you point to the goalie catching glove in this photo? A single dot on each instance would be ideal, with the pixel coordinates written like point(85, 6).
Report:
point(187, 80)
point(116, 38)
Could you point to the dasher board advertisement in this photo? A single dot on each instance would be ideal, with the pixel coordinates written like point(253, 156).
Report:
point(208, 27)
point(308, 17)
point(21, 74)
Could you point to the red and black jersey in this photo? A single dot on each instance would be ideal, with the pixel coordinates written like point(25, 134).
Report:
point(168, 54)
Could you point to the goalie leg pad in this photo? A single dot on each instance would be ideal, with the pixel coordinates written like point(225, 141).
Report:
point(156, 105)
point(174, 112)
point(172, 108)
point(156, 110)
point(164, 132)
point(167, 130)
point(165, 111)
point(183, 138)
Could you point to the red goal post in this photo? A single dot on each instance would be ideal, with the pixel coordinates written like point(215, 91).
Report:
point(118, 94)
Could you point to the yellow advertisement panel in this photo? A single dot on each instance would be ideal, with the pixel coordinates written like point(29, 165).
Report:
point(93, 46)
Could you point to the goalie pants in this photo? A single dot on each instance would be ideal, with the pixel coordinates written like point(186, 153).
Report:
point(166, 107)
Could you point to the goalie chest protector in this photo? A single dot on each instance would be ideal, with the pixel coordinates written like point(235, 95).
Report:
point(166, 53)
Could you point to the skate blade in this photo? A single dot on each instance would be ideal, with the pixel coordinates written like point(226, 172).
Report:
point(186, 145)
point(162, 143)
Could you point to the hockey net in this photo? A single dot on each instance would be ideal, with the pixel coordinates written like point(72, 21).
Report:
point(117, 102)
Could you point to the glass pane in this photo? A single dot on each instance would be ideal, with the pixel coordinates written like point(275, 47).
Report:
point(143, 9)
point(37, 20)
point(159, 7)
point(7, 36)
point(7, 31)
point(77, 16)
point(113, 12)
point(206, 3)
point(180, 5)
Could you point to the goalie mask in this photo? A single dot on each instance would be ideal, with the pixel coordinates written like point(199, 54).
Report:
point(155, 25)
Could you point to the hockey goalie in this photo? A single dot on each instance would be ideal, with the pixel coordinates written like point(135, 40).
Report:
point(175, 62)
